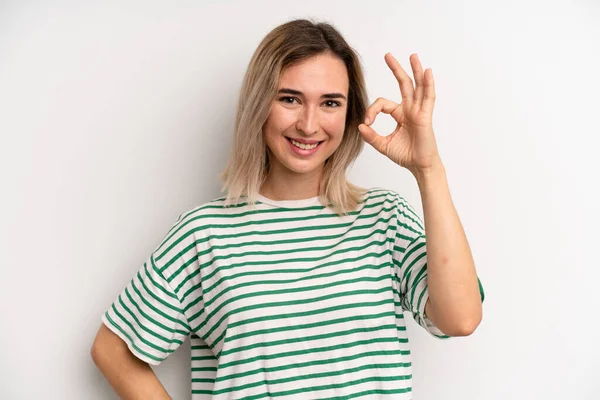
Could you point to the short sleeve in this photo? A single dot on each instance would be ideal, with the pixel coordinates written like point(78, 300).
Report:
point(410, 265)
point(148, 315)
point(411, 271)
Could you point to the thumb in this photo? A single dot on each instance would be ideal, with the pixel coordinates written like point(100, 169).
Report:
point(371, 137)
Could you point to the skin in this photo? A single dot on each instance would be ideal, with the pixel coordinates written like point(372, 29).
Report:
point(305, 116)
point(130, 377)
point(454, 303)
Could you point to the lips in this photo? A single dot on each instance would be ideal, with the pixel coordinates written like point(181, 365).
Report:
point(309, 142)
point(303, 152)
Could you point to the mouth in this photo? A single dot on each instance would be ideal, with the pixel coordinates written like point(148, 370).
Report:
point(306, 151)
point(317, 143)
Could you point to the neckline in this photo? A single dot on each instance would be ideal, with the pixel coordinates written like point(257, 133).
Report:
point(311, 201)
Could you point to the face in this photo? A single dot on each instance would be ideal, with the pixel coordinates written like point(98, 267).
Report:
point(309, 108)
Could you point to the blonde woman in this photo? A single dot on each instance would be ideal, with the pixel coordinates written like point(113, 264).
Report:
point(295, 284)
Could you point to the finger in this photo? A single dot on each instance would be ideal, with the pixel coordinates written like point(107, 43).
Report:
point(406, 84)
point(372, 137)
point(383, 105)
point(418, 75)
point(429, 92)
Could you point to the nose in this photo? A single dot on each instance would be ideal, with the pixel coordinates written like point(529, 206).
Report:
point(308, 121)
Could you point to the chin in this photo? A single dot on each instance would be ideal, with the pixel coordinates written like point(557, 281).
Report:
point(303, 167)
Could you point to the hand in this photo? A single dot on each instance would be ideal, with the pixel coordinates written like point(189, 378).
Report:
point(412, 144)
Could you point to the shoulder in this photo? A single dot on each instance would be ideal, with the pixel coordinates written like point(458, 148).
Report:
point(387, 197)
point(210, 209)
point(193, 222)
point(396, 204)
point(191, 228)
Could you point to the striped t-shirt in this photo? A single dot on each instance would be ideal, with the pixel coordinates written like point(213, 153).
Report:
point(286, 301)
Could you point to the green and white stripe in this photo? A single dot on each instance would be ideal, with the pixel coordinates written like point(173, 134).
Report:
point(287, 300)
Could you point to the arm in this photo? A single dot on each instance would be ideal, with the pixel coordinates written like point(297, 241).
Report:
point(454, 303)
point(130, 377)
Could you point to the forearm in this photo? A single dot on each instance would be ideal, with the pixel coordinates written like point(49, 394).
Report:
point(130, 378)
point(454, 304)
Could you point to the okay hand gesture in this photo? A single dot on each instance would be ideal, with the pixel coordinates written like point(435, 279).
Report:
point(412, 144)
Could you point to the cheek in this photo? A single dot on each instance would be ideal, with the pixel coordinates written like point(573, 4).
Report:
point(336, 124)
point(273, 126)
point(280, 118)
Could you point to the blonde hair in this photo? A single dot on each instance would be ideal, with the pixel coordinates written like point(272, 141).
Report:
point(285, 45)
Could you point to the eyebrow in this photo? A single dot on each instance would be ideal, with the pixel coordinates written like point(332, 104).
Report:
point(325, 96)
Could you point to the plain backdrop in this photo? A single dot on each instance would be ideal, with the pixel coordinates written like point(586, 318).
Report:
point(116, 117)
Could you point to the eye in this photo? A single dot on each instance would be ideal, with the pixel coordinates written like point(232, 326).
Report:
point(290, 100)
point(336, 103)
point(286, 98)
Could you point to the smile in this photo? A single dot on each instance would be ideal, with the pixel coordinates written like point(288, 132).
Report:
point(303, 149)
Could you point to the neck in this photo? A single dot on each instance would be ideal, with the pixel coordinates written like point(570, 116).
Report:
point(288, 185)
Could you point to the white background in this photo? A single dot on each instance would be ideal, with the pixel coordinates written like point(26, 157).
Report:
point(116, 117)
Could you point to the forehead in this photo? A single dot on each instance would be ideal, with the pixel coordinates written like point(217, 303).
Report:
point(320, 74)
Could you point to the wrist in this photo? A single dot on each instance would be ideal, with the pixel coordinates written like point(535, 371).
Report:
point(435, 172)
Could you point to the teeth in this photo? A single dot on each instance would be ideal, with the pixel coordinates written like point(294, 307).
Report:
point(304, 146)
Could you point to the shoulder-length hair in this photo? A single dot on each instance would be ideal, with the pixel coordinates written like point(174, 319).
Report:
point(248, 167)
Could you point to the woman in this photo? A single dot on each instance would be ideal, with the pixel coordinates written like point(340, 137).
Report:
point(294, 284)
